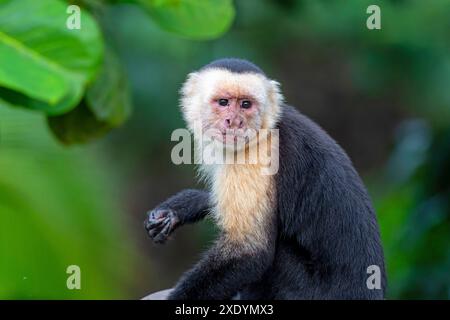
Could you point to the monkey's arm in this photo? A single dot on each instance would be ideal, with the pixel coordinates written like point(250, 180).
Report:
point(187, 206)
point(225, 270)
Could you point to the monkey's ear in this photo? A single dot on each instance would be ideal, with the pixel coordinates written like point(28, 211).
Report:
point(189, 94)
point(275, 95)
point(189, 86)
point(276, 100)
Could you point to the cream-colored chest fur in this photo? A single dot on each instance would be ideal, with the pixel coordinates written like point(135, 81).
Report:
point(244, 200)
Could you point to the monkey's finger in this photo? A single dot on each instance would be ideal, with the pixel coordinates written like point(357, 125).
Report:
point(167, 229)
point(152, 224)
point(162, 236)
point(154, 232)
point(160, 239)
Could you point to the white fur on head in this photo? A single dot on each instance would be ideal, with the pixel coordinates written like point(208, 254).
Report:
point(200, 87)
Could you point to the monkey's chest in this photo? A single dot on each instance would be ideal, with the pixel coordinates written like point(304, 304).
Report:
point(244, 200)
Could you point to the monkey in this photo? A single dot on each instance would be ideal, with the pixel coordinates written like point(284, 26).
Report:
point(309, 231)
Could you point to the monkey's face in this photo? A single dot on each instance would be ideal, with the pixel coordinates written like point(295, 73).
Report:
point(230, 107)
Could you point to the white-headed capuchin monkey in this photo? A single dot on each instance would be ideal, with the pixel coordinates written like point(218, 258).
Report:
point(307, 232)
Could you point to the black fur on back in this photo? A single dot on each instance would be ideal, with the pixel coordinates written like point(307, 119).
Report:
point(328, 231)
point(234, 65)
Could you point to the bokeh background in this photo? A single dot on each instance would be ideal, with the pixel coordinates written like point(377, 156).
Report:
point(79, 169)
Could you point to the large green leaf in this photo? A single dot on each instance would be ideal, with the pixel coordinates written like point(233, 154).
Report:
point(108, 97)
point(197, 19)
point(44, 65)
point(105, 106)
point(77, 126)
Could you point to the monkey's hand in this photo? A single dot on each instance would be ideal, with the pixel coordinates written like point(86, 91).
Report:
point(160, 223)
point(187, 206)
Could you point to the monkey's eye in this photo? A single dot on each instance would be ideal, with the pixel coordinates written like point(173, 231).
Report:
point(246, 104)
point(223, 102)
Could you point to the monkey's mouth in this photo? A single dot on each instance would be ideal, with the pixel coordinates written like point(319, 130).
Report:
point(230, 137)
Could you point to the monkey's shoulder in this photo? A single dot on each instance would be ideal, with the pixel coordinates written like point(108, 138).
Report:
point(315, 174)
point(299, 132)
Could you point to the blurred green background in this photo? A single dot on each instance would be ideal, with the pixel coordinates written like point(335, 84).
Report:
point(86, 117)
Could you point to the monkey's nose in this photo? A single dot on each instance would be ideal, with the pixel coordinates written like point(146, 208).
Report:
point(230, 123)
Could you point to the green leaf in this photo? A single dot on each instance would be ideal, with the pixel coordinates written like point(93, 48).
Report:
point(108, 97)
point(77, 126)
point(45, 65)
point(196, 19)
point(105, 106)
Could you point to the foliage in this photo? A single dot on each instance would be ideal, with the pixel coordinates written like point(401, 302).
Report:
point(60, 207)
point(196, 19)
point(54, 69)
point(40, 76)
point(416, 213)
point(57, 208)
